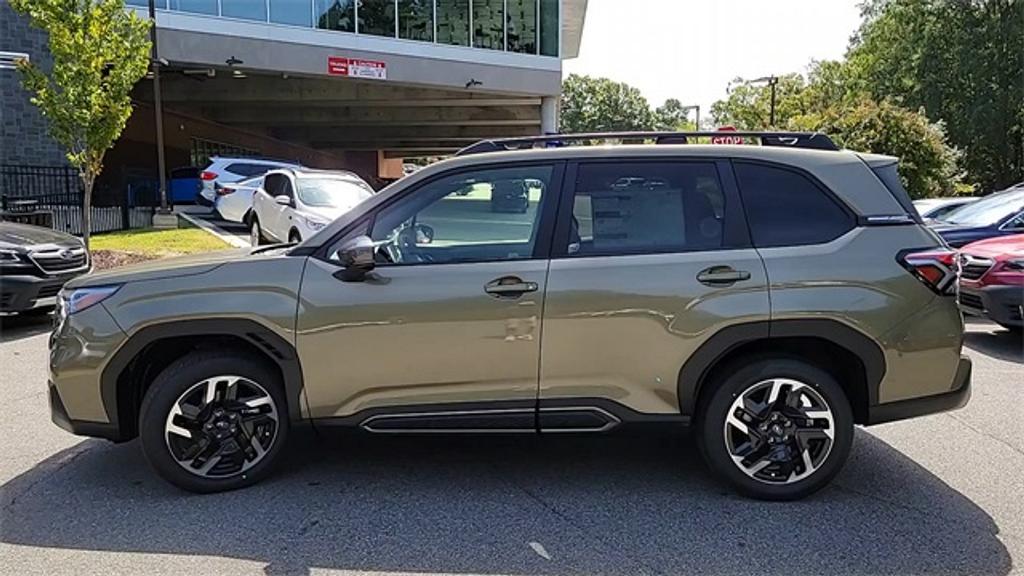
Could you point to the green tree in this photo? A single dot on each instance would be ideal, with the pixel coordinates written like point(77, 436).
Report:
point(601, 105)
point(928, 165)
point(99, 51)
point(672, 115)
point(748, 106)
point(962, 62)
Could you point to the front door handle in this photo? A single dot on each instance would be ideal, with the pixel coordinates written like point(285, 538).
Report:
point(509, 287)
point(721, 276)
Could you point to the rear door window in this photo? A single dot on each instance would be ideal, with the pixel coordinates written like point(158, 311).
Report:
point(646, 208)
point(247, 170)
point(786, 208)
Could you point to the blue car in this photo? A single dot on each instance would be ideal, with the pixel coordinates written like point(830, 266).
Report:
point(998, 214)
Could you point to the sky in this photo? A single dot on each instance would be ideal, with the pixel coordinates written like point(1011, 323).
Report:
point(692, 49)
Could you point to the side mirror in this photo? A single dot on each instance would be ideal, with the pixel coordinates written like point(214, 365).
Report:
point(424, 234)
point(283, 200)
point(357, 258)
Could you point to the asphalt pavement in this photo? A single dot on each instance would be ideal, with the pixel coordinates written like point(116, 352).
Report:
point(937, 495)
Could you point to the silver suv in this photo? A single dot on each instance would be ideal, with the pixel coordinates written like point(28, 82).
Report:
point(770, 297)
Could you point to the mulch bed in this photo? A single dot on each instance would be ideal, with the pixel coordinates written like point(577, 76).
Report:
point(105, 259)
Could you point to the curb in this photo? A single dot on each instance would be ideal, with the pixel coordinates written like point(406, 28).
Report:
point(231, 239)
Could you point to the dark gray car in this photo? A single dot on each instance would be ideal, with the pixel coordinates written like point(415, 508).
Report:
point(35, 263)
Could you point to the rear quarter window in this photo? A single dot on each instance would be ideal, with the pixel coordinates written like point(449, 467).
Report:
point(786, 208)
point(248, 170)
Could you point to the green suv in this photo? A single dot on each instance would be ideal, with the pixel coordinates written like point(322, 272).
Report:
point(769, 296)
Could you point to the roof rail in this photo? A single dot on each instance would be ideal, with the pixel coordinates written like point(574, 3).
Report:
point(812, 140)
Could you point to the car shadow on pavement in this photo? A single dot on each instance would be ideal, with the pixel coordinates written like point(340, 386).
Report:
point(998, 343)
point(18, 327)
point(558, 505)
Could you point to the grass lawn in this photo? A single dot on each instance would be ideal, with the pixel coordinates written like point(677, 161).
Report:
point(158, 242)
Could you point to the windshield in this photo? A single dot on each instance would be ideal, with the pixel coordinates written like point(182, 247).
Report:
point(987, 211)
point(332, 192)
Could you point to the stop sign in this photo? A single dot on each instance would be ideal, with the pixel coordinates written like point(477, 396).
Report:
point(727, 139)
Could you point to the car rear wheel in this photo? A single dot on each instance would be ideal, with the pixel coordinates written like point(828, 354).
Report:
point(776, 429)
point(294, 237)
point(214, 421)
point(256, 233)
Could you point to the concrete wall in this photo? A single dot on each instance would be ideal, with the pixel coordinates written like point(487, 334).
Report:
point(23, 131)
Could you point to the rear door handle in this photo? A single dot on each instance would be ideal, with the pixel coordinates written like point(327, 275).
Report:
point(509, 287)
point(721, 276)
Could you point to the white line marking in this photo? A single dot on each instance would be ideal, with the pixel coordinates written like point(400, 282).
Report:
point(539, 549)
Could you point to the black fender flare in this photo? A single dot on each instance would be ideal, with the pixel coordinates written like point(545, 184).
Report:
point(273, 346)
point(691, 375)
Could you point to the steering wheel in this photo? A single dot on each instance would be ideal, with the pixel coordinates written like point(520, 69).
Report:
point(401, 246)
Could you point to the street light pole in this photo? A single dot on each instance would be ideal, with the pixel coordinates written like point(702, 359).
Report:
point(772, 82)
point(158, 108)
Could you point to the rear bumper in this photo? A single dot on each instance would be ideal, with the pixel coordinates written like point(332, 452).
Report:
point(957, 397)
point(1002, 304)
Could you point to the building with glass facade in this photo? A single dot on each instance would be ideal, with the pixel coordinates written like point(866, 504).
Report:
point(363, 82)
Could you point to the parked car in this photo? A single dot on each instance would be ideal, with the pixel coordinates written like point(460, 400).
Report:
point(992, 280)
point(225, 170)
point(936, 208)
point(35, 262)
point(510, 196)
point(999, 214)
point(234, 201)
point(724, 287)
point(294, 204)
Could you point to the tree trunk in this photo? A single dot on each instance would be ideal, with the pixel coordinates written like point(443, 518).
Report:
point(87, 182)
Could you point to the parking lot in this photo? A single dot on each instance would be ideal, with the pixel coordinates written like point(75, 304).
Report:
point(937, 495)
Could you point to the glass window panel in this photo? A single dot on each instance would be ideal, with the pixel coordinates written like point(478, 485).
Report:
point(336, 15)
point(481, 216)
point(199, 6)
point(488, 28)
point(245, 9)
point(453, 22)
point(522, 26)
point(416, 20)
point(377, 17)
point(295, 12)
point(549, 27)
point(160, 4)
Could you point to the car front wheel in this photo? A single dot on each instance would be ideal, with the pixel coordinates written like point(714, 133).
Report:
point(214, 421)
point(255, 233)
point(776, 428)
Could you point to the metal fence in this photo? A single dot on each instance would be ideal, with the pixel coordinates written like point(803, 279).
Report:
point(27, 192)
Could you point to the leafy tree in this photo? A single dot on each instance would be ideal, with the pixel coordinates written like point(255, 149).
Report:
point(960, 61)
point(601, 105)
point(748, 106)
point(928, 165)
point(100, 51)
point(672, 116)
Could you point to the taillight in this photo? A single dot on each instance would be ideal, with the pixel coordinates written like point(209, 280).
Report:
point(206, 175)
point(936, 267)
point(223, 190)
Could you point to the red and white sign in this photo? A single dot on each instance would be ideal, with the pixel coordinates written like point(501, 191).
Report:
point(727, 139)
point(356, 68)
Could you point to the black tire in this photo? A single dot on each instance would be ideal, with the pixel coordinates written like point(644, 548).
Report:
point(182, 375)
point(745, 376)
point(256, 237)
point(294, 237)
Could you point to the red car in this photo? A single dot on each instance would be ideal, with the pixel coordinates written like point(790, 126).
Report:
point(992, 280)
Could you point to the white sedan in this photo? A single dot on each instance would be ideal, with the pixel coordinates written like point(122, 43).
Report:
point(234, 201)
point(292, 205)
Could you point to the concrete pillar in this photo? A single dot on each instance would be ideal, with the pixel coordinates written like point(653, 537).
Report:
point(549, 115)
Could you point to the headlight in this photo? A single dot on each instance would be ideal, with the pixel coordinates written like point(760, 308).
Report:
point(83, 298)
point(315, 225)
point(1017, 265)
point(11, 259)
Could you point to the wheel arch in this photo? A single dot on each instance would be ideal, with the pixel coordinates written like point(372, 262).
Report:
point(849, 355)
point(123, 381)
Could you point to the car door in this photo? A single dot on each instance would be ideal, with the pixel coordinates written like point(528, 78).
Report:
point(649, 260)
point(444, 334)
point(274, 216)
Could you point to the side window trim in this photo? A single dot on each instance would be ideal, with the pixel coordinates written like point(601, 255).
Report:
point(736, 234)
point(545, 227)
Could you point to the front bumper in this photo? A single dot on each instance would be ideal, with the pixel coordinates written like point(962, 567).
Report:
point(957, 397)
point(20, 293)
point(1002, 304)
point(59, 416)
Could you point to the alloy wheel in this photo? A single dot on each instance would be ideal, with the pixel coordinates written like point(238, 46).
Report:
point(221, 426)
point(779, 431)
point(254, 233)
